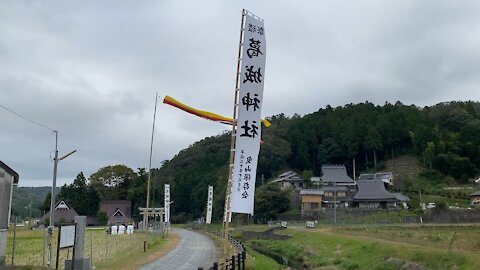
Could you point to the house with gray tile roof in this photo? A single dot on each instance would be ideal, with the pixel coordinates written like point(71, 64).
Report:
point(372, 194)
point(402, 200)
point(334, 174)
point(289, 179)
point(386, 177)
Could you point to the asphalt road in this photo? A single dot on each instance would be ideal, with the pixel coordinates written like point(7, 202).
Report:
point(194, 250)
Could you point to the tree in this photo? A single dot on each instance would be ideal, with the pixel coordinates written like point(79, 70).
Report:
point(46, 204)
point(373, 141)
point(102, 218)
point(111, 182)
point(270, 201)
point(80, 196)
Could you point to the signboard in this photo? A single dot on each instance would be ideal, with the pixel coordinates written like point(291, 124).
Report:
point(167, 203)
point(208, 219)
point(67, 236)
point(250, 99)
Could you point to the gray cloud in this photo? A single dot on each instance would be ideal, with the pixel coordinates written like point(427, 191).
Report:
point(91, 69)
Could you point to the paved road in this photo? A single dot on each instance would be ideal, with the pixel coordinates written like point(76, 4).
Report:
point(194, 250)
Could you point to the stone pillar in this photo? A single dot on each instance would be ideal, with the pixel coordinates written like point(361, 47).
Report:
point(81, 222)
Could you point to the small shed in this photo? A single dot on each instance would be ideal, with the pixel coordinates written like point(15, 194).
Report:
point(475, 198)
point(311, 200)
point(8, 179)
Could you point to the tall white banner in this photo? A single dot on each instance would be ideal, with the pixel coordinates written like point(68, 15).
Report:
point(208, 218)
point(167, 203)
point(248, 130)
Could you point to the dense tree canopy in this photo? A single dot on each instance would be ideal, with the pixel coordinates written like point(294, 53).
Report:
point(445, 136)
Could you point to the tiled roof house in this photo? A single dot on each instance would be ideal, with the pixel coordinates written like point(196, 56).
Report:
point(117, 211)
point(63, 214)
point(289, 179)
point(372, 194)
point(334, 174)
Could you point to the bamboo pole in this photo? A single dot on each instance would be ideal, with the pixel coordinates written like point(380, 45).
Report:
point(232, 145)
point(145, 217)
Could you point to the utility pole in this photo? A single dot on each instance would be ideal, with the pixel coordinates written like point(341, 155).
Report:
point(52, 199)
point(145, 216)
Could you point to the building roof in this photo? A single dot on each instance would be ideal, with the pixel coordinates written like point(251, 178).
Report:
point(63, 213)
point(373, 190)
point(475, 194)
point(334, 188)
point(401, 197)
point(311, 192)
point(117, 211)
point(10, 171)
point(386, 177)
point(289, 176)
point(335, 173)
point(112, 207)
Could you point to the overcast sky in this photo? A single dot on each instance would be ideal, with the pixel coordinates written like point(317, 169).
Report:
point(90, 70)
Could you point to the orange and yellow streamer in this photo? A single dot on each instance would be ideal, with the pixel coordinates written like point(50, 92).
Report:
point(204, 114)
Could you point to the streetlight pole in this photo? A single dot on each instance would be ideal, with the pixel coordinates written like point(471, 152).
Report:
point(52, 198)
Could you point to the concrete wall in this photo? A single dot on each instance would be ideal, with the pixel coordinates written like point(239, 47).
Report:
point(5, 198)
point(3, 246)
point(6, 182)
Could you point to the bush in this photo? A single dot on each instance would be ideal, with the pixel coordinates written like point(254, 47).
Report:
point(102, 218)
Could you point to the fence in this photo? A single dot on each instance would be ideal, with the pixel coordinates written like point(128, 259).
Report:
point(31, 247)
point(236, 261)
point(354, 217)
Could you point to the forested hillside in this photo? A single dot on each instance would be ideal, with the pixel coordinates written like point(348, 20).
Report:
point(445, 137)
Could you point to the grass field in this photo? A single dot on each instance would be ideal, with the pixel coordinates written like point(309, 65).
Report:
point(103, 248)
point(380, 247)
point(462, 238)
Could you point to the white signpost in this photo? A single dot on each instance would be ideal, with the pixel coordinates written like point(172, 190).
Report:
point(248, 130)
point(208, 218)
point(66, 239)
point(167, 203)
point(67, 236)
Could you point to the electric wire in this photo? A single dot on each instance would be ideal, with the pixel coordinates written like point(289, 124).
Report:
point(28, 119)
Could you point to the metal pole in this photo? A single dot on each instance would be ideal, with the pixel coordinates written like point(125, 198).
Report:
point(52, 202)
point(232, 146)
point(354, 177)
point(44, 240)
point(335, 202)
point(14, 240)
point(145, 217)
point(91, 249)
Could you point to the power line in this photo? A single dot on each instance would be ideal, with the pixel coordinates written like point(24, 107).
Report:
point(26, 118)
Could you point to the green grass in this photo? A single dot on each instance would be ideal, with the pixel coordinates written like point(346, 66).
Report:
point(326, 249)
point(256, 260)
point(466, 237)
point(103, 248)
point(462, 202)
